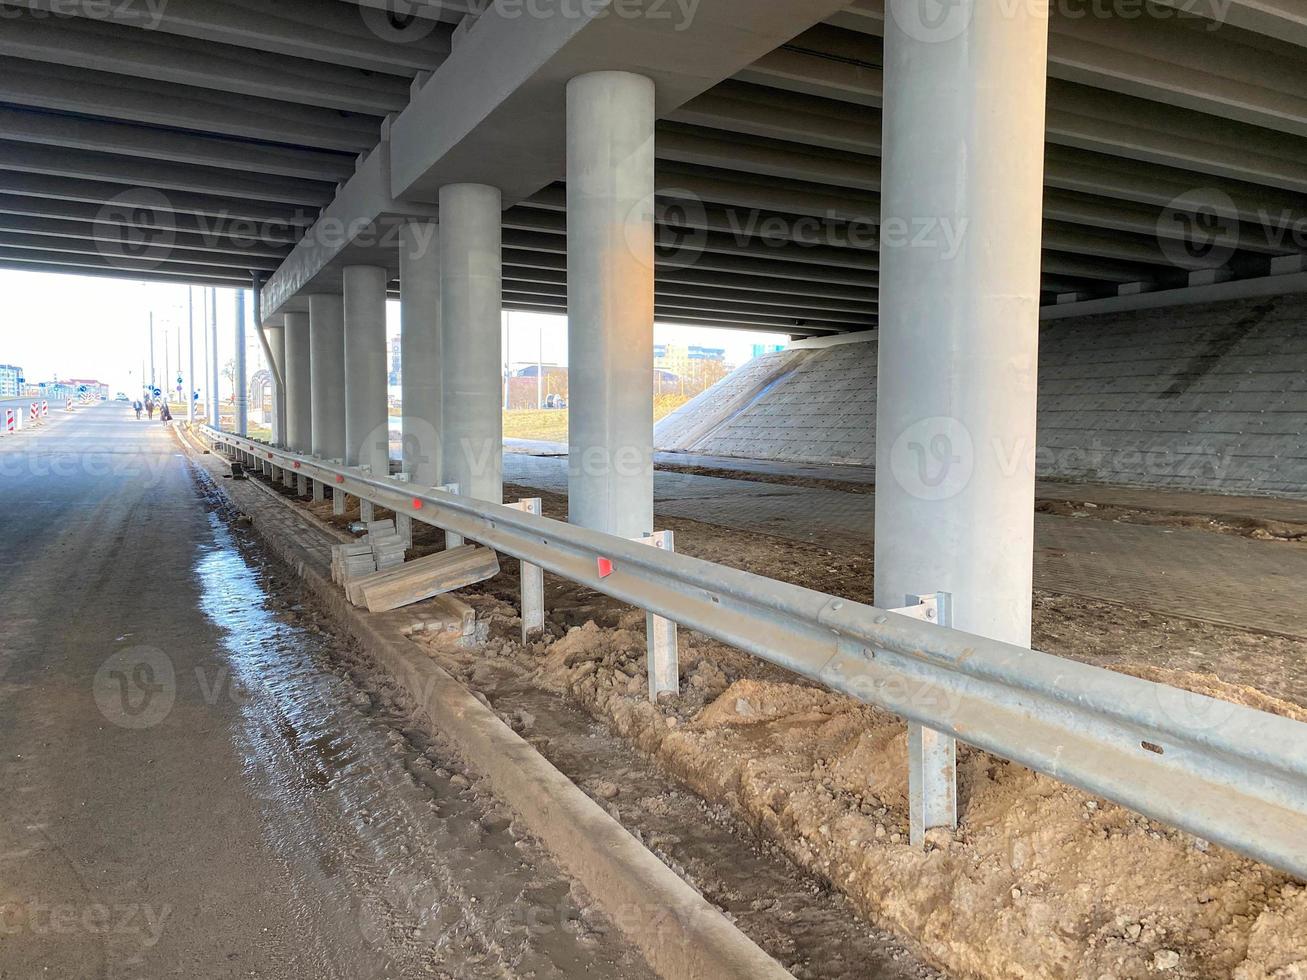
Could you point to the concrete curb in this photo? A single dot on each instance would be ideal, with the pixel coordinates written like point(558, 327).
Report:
point(679, 933)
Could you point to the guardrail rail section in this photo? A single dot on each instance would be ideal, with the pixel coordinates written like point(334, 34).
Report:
point(1225, 772)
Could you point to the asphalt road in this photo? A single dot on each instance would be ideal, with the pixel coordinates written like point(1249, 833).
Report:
point(199, 782)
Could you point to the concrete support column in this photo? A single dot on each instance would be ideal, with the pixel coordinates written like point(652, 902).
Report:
point(327, 370)
point(471, 305)
point(299, 413)
point(962, 190)
point(277, 344)
point(241, 381)
point(419, 291)
point(215, 375)
point(367, 425)
point(610, 301)
point(191, 384)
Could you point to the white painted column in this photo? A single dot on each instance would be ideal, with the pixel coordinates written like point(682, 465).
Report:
point(471, 304)
point(277, 342)
point(961, 206)
point(241, 381)
point(327, 369)
point(189, 393)
point(299, 411)
point(419, 291)
point(215, 375)
point(610, 301)
point(367, 425)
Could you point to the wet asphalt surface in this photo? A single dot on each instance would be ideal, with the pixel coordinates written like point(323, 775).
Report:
point(200, 780)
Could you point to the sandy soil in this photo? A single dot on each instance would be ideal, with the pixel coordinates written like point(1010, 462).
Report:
point(1040, 880)
point(1258, 529)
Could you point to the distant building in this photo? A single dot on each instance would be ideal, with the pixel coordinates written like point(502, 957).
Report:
point(10, 381)
point(691, 369)
point(760, 349)
point(396, 365)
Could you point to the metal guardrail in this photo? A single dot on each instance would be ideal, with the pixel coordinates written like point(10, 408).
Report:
point(1224, 772)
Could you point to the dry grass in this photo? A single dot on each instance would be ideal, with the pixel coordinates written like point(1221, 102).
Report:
point(550, 425)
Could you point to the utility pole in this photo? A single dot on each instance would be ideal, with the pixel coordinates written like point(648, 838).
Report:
point(508, 359)
point(540, 367)
point(152, 379)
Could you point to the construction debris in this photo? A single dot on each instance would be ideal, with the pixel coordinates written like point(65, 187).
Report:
point(423, 579)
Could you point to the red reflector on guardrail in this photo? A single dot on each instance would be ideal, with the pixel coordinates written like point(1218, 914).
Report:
point(296, 464)
point(417, 504)
point(605, 567)
point(340, 479)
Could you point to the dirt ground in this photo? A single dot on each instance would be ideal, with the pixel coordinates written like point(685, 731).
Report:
point(1261, 530)
point(1040, 880)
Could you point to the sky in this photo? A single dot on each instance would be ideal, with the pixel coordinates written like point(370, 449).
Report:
point(90, 327)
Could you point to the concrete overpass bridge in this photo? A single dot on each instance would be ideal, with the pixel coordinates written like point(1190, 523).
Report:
point(946, 174)
point(786, 168)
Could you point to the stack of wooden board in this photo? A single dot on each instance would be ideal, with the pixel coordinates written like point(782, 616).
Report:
point(351, 560)
point(391, 588)
point(379, 548)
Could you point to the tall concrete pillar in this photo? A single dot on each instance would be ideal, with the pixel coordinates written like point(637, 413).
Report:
point(471, 303)
point(299, 412)
point(419, 291)
point(241, 382)
point(327, 370)
point(367, 425)
point(277, 343)
point(189, 393)
point(610, 301)
point(214, 403)
point(959, 311)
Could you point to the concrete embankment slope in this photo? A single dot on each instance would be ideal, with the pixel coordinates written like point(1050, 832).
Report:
point(1211, 397)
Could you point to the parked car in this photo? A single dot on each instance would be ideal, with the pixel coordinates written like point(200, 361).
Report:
point(120, 397)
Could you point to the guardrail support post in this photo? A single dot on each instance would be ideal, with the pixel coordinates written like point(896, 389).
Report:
point(660, 634)
point(932, 755)
point(302, 485)
point(452, 540)
point(533, 582)
point(319, 491)
point(404, 522)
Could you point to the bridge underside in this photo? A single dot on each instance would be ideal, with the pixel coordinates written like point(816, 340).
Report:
point(1175, 149)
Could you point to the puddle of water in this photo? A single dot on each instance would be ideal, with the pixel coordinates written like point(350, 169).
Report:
point(399, 866)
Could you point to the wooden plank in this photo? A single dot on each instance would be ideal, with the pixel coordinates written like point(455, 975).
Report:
point(453, 571)
point(353, 590)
